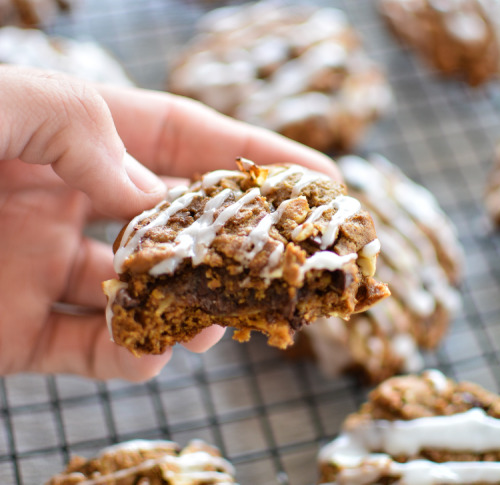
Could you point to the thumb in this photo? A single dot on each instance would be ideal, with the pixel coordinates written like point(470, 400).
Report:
point(49, 118)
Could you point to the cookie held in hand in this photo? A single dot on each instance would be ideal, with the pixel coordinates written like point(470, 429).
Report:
point(260, 248)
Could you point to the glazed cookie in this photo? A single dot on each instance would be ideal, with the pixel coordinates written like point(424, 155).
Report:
point(34, 48)
point(297, 70)
point(261, 248)
point(155, 462)
point(423, 429)
point(30, 13)
point(455, 37)
point(420, 260)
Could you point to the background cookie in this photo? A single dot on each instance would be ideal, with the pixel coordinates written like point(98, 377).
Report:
point(421, 260)
point(418, 427)
point(457, 38)
point(297, 70)
point(83, 59)
point(150, 462)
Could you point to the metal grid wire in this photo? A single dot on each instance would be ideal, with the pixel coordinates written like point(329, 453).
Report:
point(267, 414)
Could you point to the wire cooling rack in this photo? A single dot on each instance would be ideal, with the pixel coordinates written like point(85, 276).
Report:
point(267, 414)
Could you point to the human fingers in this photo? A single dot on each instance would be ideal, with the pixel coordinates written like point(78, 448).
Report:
point(170, 182)
point(92, 265)
point(81, 345)
point(177, 136)
point(16, 176)
point(55, 119)
point(207, 338)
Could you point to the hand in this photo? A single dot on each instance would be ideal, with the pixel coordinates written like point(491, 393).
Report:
point(62, 165)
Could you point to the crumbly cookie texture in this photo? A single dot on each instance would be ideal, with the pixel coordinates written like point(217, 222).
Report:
point(31, 13)
point(153, 462)
point(83, 59)
point(261, 248)
point(297, 70)
point(418, 429)
point(455, 37)
point(421, 260)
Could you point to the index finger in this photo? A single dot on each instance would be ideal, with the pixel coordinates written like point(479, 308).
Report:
point(176, 136)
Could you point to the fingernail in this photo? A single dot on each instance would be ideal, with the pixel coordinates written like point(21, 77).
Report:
point(141, 177)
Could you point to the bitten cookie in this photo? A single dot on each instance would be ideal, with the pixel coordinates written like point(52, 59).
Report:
point(420, 260)
point(414, 429)
point(31, 13)
point(297, 70)
point(83, 59)
point(155, 462)
point(455, 37)
point(263, 248)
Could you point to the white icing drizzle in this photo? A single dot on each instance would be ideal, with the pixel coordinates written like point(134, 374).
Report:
point(438, 379)
point(292, 109)
point(471, 431)
point(185, 468)
point(279, 176)
point(315, 214)
point(346, 208)
point(327, 260)
point(190, 241)
point(416, 472)
point(371, 249)
point(258, 236)
point(423, 472)
point(213, 178)
point(137, 445)
point(129, 244)
point(467, 27)
point(194, 241)
point(111, 288)
point(268, 51)
point(307, 177)
point(176, 192)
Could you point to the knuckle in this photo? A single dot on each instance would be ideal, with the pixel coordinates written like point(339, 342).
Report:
point(83, 104)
